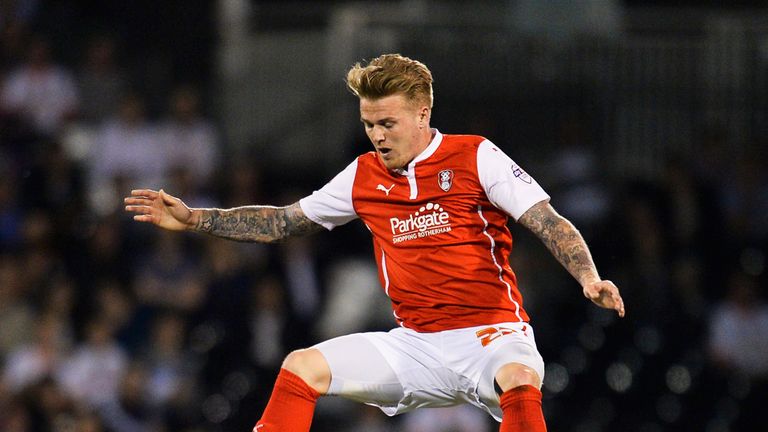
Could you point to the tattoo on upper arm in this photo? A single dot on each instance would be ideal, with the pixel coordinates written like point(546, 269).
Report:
point(257, 223)
point(561, 238)
point(296, 223)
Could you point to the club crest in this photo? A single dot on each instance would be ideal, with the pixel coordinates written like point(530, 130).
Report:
point(445, 179)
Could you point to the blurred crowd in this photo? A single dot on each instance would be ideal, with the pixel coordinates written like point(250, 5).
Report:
point(110, 325)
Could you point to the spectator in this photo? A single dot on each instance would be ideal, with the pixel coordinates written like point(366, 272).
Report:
point(106, 254)
point(299, 259)
point(353, 301)
point(110, 299)
point(17, 316)
point(745, 198)
point(183, 178)
point(130, 411)
point(88, 421)
point(50, 405)
point(15, 417)
point(11, 213)
point(582, 195)
point(462, 418)
point(244, 181)
point(101, 80)
point(169, 278)
point(268, 320)
point(127, 148)
point(30, 363)
point(191, 141)
point(696, 233)
point(92, 374)
point(738, 345)
point(639, 239)
point(39, 91)
point(12, 41)
point(738, 338)
point(369, 419)
point(51, 181)
point(169, 366)
point(225, 315)
point(40, 258)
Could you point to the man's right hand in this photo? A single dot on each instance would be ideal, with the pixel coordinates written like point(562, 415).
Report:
point(161, 209)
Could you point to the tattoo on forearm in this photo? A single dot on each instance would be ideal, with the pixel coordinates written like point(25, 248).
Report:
point(562, 239)
point(265, 224)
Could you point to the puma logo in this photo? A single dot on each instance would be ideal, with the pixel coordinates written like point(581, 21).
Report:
point(385, 190)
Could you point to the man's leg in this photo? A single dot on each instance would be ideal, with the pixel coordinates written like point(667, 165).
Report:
point(520, 399)
point(304, 377)
point(360, 372)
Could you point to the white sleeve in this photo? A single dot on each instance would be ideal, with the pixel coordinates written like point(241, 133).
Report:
point(331, 206)
point(507, 186)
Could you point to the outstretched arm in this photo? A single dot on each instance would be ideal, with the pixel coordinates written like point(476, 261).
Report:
point(568, 246)
point(264, 224)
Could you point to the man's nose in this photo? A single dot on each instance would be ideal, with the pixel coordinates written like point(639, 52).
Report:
point(377, 134)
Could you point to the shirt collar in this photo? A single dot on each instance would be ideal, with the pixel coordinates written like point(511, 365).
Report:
point(426, 153)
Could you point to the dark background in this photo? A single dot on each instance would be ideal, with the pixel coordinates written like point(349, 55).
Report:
point(649, 133)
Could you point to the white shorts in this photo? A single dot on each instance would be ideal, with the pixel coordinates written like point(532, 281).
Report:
point(402, 370)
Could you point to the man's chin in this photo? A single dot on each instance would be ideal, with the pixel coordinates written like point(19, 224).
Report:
point(389, 164)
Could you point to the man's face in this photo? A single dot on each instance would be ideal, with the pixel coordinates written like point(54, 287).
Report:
point(396, 127)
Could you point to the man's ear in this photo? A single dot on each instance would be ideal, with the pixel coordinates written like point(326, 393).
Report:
point(423, 116)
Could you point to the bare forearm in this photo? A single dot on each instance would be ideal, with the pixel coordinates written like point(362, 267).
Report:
point(264, 224)
point(563, 240)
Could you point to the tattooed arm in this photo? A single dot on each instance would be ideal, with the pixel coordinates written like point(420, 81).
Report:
point(264, 224)
point(567, 245)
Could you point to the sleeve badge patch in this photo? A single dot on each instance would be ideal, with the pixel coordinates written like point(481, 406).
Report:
point(521, 174)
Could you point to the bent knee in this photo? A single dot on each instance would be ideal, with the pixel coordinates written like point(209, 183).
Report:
point(513, 375)
point(310, 365)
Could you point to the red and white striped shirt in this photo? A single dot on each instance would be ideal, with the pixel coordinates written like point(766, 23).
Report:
point(439, 229)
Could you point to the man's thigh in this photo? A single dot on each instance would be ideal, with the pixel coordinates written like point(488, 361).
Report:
point(360, 372)
point(397, 371)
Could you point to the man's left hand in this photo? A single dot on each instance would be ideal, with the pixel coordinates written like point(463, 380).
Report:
point(606, 295)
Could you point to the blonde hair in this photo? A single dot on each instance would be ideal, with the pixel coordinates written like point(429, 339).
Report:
point(391, 74)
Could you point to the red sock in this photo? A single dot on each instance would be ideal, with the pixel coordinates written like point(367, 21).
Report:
point(291, 406)
point(522, 410)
